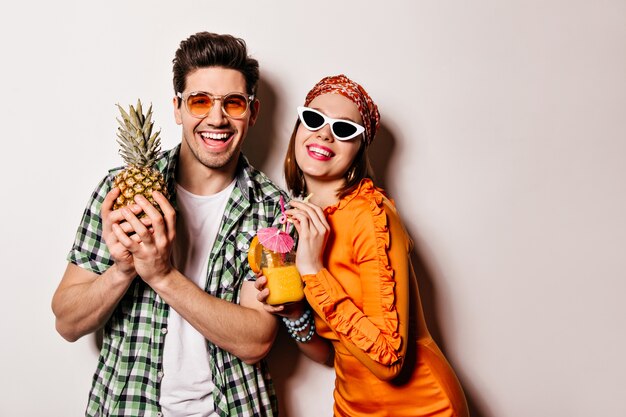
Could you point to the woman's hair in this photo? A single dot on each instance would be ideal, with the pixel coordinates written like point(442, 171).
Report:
point(205, 49)
point(360, 167)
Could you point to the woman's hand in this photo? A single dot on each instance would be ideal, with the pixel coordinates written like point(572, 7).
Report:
point(315, 347)
point(313, 230)
point(290, 310)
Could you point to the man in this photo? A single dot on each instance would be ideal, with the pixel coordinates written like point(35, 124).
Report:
point(183, 332)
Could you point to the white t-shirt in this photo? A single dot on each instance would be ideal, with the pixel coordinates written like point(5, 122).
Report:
point(186, 386)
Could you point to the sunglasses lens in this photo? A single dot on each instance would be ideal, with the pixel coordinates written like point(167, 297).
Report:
point(343, 129)
point(199, 104)
point(312, 120)
point(235, 104)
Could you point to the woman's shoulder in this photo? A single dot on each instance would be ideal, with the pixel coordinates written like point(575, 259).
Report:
point(371, 209)
point(364, 198)
point(368, 208)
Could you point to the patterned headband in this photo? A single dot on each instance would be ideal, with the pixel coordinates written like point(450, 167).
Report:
point(346, 87)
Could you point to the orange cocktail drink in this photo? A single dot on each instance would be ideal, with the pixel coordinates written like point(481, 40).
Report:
point(283, 278)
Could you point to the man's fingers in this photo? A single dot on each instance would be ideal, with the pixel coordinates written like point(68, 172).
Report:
point(169, 214)
point(116, 216)
point(123, 238)
point(164, 204)
point(109, 200)
point(139, 228)
point(156, 219)
point(128, 228)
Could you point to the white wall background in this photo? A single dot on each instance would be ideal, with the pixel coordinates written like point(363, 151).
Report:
point(503, 142)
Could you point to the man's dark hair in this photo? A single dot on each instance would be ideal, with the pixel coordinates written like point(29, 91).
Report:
point(205, 49)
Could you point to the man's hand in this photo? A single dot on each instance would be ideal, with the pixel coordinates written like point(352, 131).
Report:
point(150, 246)
point(119, 253)
point(84, 300)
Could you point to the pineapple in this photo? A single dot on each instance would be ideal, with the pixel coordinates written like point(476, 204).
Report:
point(139, 149)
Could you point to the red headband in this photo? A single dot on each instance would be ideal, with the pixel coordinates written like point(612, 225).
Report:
point(340, 84)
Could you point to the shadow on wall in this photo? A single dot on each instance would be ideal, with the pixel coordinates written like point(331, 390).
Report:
point(380, 153)
point(263, 138)
point(428, 295)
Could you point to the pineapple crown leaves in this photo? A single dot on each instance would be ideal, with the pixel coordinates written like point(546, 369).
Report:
point(138, 146)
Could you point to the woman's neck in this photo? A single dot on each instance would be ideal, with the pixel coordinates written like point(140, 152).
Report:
point(324, 193)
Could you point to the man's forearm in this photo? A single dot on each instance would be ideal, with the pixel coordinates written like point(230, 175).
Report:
point(84, 300)
point(241, 329)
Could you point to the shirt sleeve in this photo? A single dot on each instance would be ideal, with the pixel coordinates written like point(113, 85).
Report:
point(376, 333)
point(89, 250)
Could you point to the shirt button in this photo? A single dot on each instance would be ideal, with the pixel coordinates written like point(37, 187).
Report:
point(164, 330)
point(159, 414)
point(160, 375)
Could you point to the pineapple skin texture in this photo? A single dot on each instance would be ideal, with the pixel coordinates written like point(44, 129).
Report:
point(139, 181)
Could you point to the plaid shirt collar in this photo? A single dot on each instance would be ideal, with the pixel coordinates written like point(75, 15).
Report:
point(243, 176)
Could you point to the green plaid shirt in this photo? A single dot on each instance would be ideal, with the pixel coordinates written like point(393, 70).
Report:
point(127, 378)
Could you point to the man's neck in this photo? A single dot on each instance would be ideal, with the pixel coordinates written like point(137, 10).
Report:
point(201, 180)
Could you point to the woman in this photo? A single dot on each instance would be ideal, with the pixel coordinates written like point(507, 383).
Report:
point(354, 257)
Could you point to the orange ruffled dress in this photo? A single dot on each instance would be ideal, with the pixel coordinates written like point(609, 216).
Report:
point(367, 304)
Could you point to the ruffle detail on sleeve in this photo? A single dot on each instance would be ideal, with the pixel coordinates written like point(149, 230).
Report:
point(387, 282)
point(332, 303)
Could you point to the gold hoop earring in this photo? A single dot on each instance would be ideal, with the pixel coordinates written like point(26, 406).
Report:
point(351, 174)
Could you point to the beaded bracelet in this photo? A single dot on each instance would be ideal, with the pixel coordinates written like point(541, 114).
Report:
point(299, 324)
point(303, 339)
point(296, 326)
